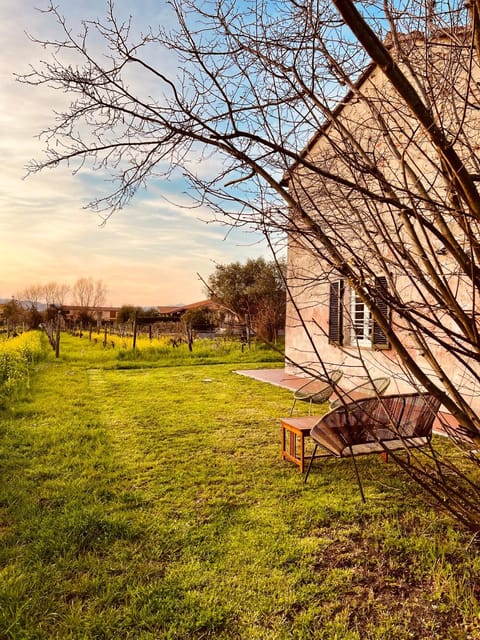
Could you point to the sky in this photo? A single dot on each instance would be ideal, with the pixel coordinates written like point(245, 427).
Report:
point(147, 254)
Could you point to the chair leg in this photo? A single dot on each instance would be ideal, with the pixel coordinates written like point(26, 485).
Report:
point(354, 465)
point(358, 479)
point(293, 406)
point(310, 463)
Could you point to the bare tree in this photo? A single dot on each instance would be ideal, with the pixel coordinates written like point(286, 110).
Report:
point(391, 193)
point(33, 297)
point(89, 293)
point(55, 293)
point(50, 293)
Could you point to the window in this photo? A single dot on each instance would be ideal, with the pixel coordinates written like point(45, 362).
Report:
point(361, 322)
point(350, 320)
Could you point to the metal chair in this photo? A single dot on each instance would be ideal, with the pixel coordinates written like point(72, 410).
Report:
point(369, 389)
point(375, 425)
point(317, 390)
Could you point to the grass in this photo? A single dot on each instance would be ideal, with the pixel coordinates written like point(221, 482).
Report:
point(118, 352)
point(151, 503)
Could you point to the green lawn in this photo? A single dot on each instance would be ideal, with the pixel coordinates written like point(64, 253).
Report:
point(152, 503)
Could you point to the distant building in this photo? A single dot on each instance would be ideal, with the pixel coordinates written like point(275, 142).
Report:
point(101, 315)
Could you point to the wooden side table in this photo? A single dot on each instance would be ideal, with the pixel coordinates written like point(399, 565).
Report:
point(293, 433)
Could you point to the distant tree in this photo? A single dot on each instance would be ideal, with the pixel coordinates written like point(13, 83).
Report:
point(86, 318)
point(13, 313)
point(151, 312)
point(89, 293)
point(194, 320)
point(254, 291)
point(32, 297)
point(201, 318)
point(126, 313)
point(55, 293)
point(198, 319)
point(269, 291)
point(51, 312)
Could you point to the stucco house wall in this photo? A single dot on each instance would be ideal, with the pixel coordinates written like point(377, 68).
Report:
point(310, 276)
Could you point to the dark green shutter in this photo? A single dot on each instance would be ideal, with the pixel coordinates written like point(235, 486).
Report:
point(379, 338)
point(335, 313)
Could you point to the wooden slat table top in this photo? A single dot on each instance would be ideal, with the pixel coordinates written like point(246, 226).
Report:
point(302, 423)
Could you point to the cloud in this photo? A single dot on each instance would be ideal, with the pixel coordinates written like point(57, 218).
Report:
point(149, 253)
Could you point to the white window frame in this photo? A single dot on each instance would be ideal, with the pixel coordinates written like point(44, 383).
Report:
point(350, 322)
point(361, 326)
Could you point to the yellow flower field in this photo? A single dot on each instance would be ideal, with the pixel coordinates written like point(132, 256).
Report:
point(16, 356)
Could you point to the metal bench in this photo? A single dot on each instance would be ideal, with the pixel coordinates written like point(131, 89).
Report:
point(375, 425)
